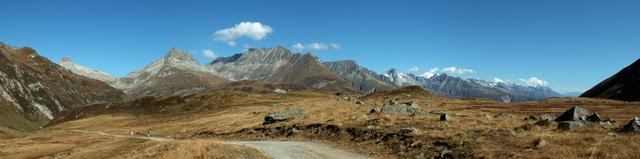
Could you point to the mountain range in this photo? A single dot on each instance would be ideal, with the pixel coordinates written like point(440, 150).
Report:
point(178, 72)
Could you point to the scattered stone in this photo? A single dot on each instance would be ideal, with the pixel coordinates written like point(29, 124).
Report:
point(595, 117)
point(378, 103)
point(426, 105)
point(457, 114)
point(358, 117)
point(538, 143)
point(574, 114)
point(633, 126)
point(3, 145)
point(611, 120)
point(343, 98)
point(284, 115)
point(607, 125)
point(549, 117)
point(278, 90)
point(394, 110)
point(439, 112)
point(277, 104)
point(405, 131)
point(570, 125)
point(445, 117)
point(541, 117)
point(502, 132)
point(375, 110)
point(508, 115)
point(359, 102)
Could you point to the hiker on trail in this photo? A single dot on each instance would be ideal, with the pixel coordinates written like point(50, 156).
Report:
point(131, 133)
point(148, 134)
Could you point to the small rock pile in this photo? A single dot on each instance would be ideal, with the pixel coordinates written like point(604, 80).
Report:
point(284, 115)
point(578, 117)
point(394, 108)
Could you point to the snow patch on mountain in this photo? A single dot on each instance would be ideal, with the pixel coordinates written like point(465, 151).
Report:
point(531, 82)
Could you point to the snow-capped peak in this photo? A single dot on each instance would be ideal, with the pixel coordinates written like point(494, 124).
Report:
point(531, 82)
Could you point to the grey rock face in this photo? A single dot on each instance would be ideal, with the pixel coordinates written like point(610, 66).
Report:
point(549, 117)
point(284, 115)
point(359, 77)
point(573, 114)
point(394, 110)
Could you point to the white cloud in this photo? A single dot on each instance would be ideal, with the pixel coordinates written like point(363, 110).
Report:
point(315, 46)
point(414, 69)
point(430, 73)
point(460, 71)
point(531, 82)
point(245, 46)
point(298, 47)
point(253, 30)
point(336, 46)
point(209, 53)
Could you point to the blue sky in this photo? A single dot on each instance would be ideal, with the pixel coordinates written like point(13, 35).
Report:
point(572, 45)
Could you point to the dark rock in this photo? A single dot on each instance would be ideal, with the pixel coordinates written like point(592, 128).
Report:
point(394, 110)
point(508, 115)
point(571, 125)
point(284, 115)
point(359, 102)
point(405, 131)
point(633, 126)
point(445, 117)
point(573, 114)
point(531, 117)
point(375, 110)
point(595, 117)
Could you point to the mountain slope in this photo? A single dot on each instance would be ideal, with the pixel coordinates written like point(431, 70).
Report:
point(278, 65)
point(359, 77)
point(87, 72)
point(33, 89)
point(624, 85)
point(175, 73)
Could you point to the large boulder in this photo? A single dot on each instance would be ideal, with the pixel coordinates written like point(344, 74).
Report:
point(284, 115)
point(574, 114)
point(595, 117)
point(571, 125)
point(633, 126)
point(394, 110)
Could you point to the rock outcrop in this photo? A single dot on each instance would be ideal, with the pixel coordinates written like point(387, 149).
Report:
point(359, 77)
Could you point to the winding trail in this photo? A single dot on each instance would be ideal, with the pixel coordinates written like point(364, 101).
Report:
point(274, 149)
point(298, 150)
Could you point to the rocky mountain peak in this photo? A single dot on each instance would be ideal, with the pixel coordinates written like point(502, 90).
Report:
point(65, 59)
point(176, 55)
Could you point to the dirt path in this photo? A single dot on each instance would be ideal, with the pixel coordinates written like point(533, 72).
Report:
point(275, 149)
point(298, 150)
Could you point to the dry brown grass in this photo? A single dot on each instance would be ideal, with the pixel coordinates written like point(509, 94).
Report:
point(219, 113)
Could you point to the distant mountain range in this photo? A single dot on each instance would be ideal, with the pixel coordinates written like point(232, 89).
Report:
point(624, 85)
point(33, 89)
point(178, 73)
